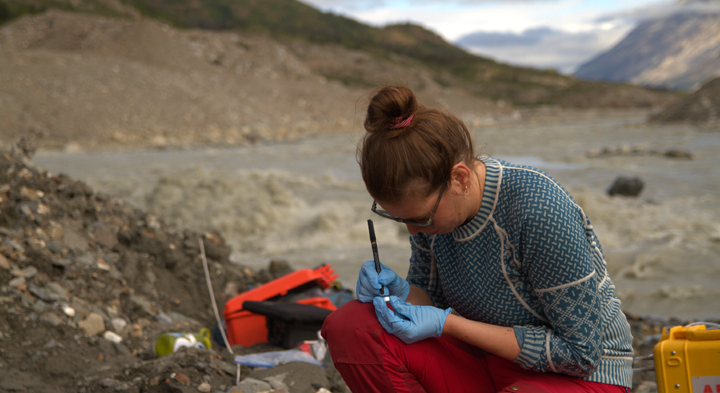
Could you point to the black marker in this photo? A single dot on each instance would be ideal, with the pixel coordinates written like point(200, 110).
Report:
point(373, 243)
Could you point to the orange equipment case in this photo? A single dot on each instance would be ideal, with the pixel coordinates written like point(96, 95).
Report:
point(687, 360)
point(246, 328)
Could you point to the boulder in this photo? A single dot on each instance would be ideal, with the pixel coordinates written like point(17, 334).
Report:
point(626, 186)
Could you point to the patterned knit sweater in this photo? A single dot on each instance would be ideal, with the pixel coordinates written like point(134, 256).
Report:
point(530, 259)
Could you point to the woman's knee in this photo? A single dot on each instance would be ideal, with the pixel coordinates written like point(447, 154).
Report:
point(352, 315)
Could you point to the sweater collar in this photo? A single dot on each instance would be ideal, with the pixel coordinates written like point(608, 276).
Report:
point(493, 175)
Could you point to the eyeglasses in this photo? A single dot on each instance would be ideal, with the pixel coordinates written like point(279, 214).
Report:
point(427, 224)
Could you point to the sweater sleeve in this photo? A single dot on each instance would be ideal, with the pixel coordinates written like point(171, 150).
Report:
point(561, 266)
point(423, 271)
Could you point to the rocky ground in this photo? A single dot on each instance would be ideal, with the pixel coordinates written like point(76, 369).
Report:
point(76, 264)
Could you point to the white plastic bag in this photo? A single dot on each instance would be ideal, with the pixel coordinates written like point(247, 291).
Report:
point(272, 359)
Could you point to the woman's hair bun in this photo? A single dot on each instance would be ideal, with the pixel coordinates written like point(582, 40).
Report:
point(407, 142)
point(388, 104)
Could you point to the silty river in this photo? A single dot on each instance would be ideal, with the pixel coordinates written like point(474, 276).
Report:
point(305, 202)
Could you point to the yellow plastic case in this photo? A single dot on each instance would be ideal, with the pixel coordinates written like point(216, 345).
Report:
point(687, 360)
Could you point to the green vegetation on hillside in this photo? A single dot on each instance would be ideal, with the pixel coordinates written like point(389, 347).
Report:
point(293, 19)
point(11, 9)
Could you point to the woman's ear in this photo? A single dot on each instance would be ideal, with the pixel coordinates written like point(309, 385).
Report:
point(460, 178)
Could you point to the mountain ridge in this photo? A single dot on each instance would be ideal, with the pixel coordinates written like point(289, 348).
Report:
point(679, 52)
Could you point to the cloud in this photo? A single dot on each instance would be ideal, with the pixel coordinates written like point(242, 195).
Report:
point(542, 47)
point(345, 6)
point(389, 3)
point(492, 39)
point(452, 22)
point(355, 7)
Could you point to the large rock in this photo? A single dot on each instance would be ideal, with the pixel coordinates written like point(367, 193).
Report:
point(93, 325)
point(626, 186)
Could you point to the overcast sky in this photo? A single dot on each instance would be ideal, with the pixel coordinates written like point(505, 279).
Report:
point(559, 34)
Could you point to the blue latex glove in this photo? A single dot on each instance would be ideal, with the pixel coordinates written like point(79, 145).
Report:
point(410, 323)
point(369, 283)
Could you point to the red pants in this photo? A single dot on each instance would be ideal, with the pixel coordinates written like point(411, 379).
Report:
point(371, 360)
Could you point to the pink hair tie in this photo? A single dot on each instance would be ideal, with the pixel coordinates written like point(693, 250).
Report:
point(400, 123)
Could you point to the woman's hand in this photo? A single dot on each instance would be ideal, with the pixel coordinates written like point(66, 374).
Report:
point(410, 323)
point(369, 283)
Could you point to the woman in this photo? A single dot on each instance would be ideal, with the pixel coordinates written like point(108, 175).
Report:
point(507, 289)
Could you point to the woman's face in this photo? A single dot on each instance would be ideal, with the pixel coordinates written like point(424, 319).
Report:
point(447, 216)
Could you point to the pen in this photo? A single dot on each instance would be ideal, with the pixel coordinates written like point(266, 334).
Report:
point(376, 257)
